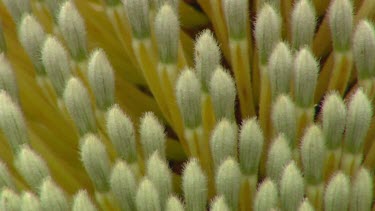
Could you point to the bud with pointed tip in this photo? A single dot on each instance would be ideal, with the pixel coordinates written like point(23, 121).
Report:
point(291, 187)
point(279, 156)
point(188, 96)
point(7, 78)
point(206, 56)
point(6, 179)
point(138, 15)
point(174, 204)
point(305, 206)
point(17, 8)
point(303, 24)
point(266, 197)
point(96, 162)
point(336, 196)
point(78, 104)
point(82, 202)
point(121, 131)
point(341, 23)
point(147, 197)
point(30, 202)
point(9, 200)
point(361, 194)
point(284, 119)
point(275, 3)
point(52, 196)
point(218, 204)
point(152, 135)
point(54, 7)
point(236, 15)
point(223, 94)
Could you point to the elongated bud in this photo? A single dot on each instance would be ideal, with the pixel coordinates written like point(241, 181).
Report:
point(101, 79)
point(334, 117)
point(78, 104)
point(147, 197)
point(3, 43)
point(6, 179)
point(160, 175)
point(123, 185)
point(364, 49)
point(336, 196)
point(291, 187)
point(357, 122)
point(219, 204)
point(30, 202)
point(138, 15)
point(341, 23)
point(189, 98)
point(223, 142)
point(73, 30)
point(227, 182)
point(7, 78)
point(54, 7)
point(305, 77)
point(56, 63)
point(279, 156)
point(223, 94)
point(121, 131)
point(303, 24)
point(284, 119)
point(152, 135)
point(9, 200)
point(174, 204)
point(82, 202)
point(361, 195)
point(17, 8)
point(96, 162)
point(206, 56)
point(305, 206)
point(267, 31)
point(280, 69)
point(31, 166)
point(167, 32)
point(52, 197)
point(266, 197)
point(313, 154)
point(31, 36)
point(236, 15)
point(194, 185)
point(250, 146)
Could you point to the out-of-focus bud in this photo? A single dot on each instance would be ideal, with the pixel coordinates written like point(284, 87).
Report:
point(341, 23)
point(147, 197)
point(138, 15)
point(236, 15)
point(82, 202)
point(9, 200)
point(152, 135)
point(30, 202)
point(52, 197)
point(17, 8)
point(303, 24)
point(6, 180)
point(218, 204)
point(305, 206)
point(174, 204)
point(7, 78)
point(361, 195)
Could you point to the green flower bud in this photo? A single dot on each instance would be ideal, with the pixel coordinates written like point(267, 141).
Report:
point(361, 195)
point(30, 202)
point(227, 182)
point(341, 23)
point(147, 197)
point(364, 49)
point(194, 186)
point(188, 96)
point(275, 3)
point(152, 135)
point(223, 142)
point(313, 154)
point(82, 202)
point(56, 63)
point(266, 197)
point(206, 56)
point(138, 15)
point(267, 31)
point(52, 197)
point(167, 32)
point(160, 175)
point(96, 162)
point(174, 204)
point(280, 69)
point(284, 118)
point(54, 7)
point(357, 122)
point(31, 36)
point(305, 77)
point(291, 187)
point(333, 121)
point(336, 196)
point(279, 156)
point(17, 8)
point(303, 24)
point(7, 78)
point(101, 79)
point(78, 104)
point(3, 43)
point(73, 30)
point(219, 204)
point(305, 206)
point(123, 185)
point(223, 94)
point(121, 131)
point(250, 146)
point(9, 200)
point(6, 179)
point(236, 15)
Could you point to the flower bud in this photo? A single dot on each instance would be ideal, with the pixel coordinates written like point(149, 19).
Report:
point(223, 94)
point(7, 78)
point(305, 206)
point(361, 195)
point(284, 119)
point(54, 7)
point(9, 200)
point(206, 56)
point(121, 131)
point(6, 179)
point(291, 187)
point(341, 23)
point(336, 196)
point(147, 197)
point(279, 156)
point(30, 202)
point(73, 30)
point(236, 15)
point(78, 104)
point(250, 146)
point(275, 3)
point(219, 204)
point(17, 8)
point(174, 204)
point(101, 79)
point(52, 197)
point(152, 135)
point(96, 162)
point(138, 15)
point(188, 96)
point(194, 186)
point(82, 202)
point(303, 24)
point(266, 197)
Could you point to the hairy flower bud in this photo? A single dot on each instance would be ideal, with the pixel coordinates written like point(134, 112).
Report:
point(138, 15)
point(152, 135)
point(266, 197)
point(361, 194)
point(174, 204)
point(279, 156)
point(52, 197)
point(284, 119)
point(147, 197)
point(336, 196)
point(82, 202)
point(7, 78)
point(236, 15)
point(303, 24)
point(17, 8)
point(9, 200)
point(30, 202)
point(291, 187)
point(341, 23)
point(219, 204)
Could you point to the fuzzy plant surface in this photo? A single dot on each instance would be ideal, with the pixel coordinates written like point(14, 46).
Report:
point(187, 105)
